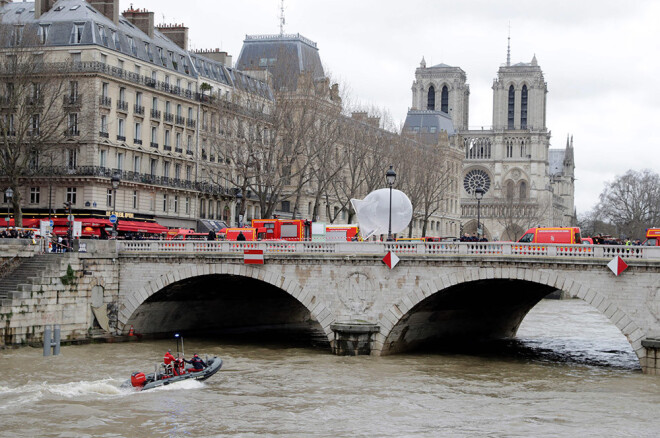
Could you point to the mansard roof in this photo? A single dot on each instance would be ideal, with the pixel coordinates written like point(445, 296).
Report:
point(99, 30)
point(428, 122)
point(556, 158)
point(286, 56)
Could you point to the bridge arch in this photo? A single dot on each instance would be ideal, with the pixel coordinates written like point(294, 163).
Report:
point(316, 308)
point(398, 313)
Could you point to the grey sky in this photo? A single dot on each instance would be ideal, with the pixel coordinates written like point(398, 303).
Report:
point(599, 57)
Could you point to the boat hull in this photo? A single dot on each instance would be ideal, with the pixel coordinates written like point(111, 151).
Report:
point(154, 381)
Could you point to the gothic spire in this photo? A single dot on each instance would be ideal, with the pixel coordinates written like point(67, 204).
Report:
point(508, 48)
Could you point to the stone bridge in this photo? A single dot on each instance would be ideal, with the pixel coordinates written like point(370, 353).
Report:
point(438, 292)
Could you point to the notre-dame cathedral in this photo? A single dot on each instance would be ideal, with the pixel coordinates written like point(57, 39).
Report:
point(524, 182)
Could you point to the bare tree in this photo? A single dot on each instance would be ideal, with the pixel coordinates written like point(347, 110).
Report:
point(516, 215)
point(631, 202)
point(33, 117)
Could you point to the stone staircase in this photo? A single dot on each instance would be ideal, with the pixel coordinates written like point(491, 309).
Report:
point(27, 273)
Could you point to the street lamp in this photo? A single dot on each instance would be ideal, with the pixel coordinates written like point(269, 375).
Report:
point(116, 178)
point(479, 194)
point(390, 177)
point(9, 194)
point(239, 198)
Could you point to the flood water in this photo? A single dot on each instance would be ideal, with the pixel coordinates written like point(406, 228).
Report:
point(570, 373)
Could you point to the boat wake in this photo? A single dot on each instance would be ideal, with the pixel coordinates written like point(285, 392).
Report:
point(34, 392)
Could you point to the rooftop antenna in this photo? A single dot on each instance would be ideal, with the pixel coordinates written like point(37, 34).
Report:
point(508, 48)
point(282, 20)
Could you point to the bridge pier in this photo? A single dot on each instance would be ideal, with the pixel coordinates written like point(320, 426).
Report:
point(353, 338)
point(651, 363)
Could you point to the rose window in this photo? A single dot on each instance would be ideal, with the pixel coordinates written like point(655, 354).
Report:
point(475, 179)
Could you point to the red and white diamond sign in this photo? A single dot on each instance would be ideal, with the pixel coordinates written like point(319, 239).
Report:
point(617, 265)
point(253, 257)
point(391, 260)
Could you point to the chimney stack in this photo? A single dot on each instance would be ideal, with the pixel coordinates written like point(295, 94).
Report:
point(216, 55)
point(40, 6)
point(109, 8)
point(178, 33)
point(142, 19)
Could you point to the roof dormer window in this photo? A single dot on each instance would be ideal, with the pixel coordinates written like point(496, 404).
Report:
point(73, 8)
point(103, 35)
point(132, 45)
point(77, 33)
point(42, 33)
point(115, 40)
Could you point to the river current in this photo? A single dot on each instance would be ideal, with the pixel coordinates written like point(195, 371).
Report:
point(569, 373)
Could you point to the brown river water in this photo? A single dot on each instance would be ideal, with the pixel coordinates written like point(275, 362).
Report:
point(569, 373)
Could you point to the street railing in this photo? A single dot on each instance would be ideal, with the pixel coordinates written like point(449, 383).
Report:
point(506, 249)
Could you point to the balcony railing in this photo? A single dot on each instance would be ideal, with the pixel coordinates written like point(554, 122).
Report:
point(155, 114)
point(167, 148)
point(73, 100)
point(106, 172)
point(189, 152)
point(137, 141)
point(104, 134)
point(139, 110)
point(122, 105)
point(121, 138)
point(168, 117)
point(190, 123)
point(71, 132)
point(154, 145)
point(179, 150)
point(105, 101)
point(180, 120)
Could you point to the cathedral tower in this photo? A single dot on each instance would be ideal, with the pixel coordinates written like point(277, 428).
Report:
point(519, 97)
point(442, 88)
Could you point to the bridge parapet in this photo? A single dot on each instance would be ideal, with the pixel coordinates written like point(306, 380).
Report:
point(413, 248)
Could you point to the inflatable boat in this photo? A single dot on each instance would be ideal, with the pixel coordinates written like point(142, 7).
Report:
point(141, 381)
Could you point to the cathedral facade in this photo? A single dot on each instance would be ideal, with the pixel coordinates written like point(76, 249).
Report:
point(511, 178)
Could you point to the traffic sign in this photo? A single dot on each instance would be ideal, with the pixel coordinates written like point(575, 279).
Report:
point(113, 218)
point(51, 223)
point(70, 218)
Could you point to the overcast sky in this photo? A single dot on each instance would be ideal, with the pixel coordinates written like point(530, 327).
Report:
point(599, 57)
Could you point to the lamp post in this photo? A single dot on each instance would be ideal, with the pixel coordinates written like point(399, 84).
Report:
point(479, 194)
point(390, 177)
point(9, 194)
point(239, 199)
point(115, 185)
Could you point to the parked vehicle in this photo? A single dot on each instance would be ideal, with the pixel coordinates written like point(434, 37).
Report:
point(652, 237)
point(280, 229)
point(567, 235)
point(341, 232)
point(232, 233)
point(587, 241)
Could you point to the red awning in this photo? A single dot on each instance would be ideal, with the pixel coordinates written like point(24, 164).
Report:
point(140, 227)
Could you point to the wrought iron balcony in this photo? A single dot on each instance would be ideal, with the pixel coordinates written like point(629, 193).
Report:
point(168, 117)
point(105, 101)
point(155, 114)
point(139, 110)
point(137, 141)
point(167, 148)
point(73, 100)
point(121, 138)
point(104, 134)
point(154, 145)
point(180, 120)
point(122, 105)
point(190, 123)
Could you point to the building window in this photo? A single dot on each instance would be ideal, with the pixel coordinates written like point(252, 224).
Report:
point(188, 173)
point(136, 164)
point(286, 206)
point(431, 99)
point(509, 149)
point(152, 166)
point(121, 129)
point(77, 32)
point(511, 110)
point(178, 140)
point(523, 108)
point(167, 137)
point(104, 124)
point(109, 198)
point(523, 190)
point(165, 203)
point(34, 195)
point(135, 199)
point(166, 169)
point(72, 158)
point(103, 158)
point(73, 123)
point(177, 171)
point(138, 131)
point(187, 205)
point(43, 33)
point(154, 136)
point(176, 204)
point(71, 195)
point(509, 190)
point(120, 161)
point(444, 100)
point(104, 90)
point(189, 143)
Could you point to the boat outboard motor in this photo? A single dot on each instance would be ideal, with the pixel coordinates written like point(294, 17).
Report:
point(138, 380)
